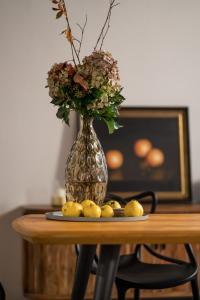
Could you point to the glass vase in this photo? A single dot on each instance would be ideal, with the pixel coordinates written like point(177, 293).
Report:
point(86, 173)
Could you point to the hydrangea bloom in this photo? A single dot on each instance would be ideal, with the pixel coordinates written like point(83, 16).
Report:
point(91, 88)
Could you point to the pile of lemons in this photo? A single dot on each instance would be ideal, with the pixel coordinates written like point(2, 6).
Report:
point(89, 209)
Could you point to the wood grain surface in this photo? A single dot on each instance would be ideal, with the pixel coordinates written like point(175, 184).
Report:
point(49, 269)
point(159, 228)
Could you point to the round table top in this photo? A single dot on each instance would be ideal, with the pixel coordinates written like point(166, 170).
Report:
point(159, 228)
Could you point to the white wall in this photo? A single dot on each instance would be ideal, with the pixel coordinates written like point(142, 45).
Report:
point(157, 44)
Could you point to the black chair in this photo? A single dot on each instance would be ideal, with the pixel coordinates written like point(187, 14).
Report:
point(134, 273)
point(2, 293)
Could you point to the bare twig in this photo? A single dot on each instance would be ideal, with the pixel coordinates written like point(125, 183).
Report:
point(108, 26)
point(116, 4)
point(62, 10)
point(76, 40)
point(107, 23)
point(104, 35)
point(73, 48)
point(73, 58)
point(82, 34)
point(76, 49)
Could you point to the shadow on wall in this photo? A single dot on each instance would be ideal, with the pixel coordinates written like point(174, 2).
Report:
point(196, 192)
point(11, 257)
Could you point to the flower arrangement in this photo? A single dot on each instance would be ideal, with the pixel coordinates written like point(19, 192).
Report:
point(90, 87)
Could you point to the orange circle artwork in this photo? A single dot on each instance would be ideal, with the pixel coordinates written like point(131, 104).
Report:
point(155, 157)
point(142, 147)
point(114, 159)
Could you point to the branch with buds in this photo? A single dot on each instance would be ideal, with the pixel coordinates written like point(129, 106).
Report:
point(82, 28)
point(106, 25)
point(60, 8)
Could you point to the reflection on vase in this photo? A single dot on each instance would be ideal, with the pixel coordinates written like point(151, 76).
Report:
point(86, 171)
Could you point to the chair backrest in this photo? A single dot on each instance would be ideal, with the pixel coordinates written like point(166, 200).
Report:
point(142, 197)
point(190, 254)
point(150, 248)
point(153, 204)
point(188, 250)
point(124, 201)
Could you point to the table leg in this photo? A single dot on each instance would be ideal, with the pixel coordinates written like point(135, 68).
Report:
point(107, 268)
point(83, 268)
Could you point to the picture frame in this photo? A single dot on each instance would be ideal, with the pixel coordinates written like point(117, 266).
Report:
point(150, 152)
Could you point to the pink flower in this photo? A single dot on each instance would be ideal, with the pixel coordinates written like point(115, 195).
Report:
point(80, 80)
point(70, 70)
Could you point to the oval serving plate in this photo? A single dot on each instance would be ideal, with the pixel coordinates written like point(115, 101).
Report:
point(57, 215)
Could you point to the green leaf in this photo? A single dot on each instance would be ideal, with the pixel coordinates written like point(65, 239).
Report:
point(61, 112)
point(110, 112)
point(57, 101)
point(117, 125)
point(112, 125)
point(97, 93)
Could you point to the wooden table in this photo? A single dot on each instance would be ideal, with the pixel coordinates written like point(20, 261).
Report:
point(162, 228)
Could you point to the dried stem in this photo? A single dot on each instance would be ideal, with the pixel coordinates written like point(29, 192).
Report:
point(73, 58)
point(73, 48)
point(62, 10)
point(76, 40)
point(107, 23)
point(108, 27)
point(82, 34)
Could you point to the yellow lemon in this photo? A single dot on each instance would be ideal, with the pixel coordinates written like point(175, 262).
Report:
point(107, 211)
point(92, 211)
point(114, 204)
point(72, 209)
point(133, 209)
point(87, 202)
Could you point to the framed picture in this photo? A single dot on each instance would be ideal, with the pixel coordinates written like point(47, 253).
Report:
point(150, 152)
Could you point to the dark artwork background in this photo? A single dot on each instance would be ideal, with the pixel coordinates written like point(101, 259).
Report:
point(134, 174)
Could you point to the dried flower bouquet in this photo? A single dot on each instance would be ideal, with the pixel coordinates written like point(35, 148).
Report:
point(90, 87)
